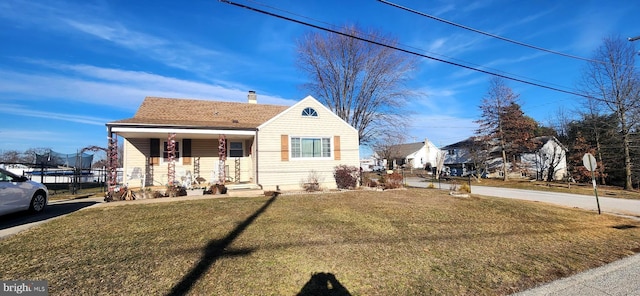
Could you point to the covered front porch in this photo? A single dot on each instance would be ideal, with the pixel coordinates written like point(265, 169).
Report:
point(188, 157)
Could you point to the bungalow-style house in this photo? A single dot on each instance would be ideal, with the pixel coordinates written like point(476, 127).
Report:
point(547, 160)
point(260, 146)
point(420, 155)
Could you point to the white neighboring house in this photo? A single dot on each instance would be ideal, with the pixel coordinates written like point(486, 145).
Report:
point(549, 155)
point(370, 164)
point(549, 160)
point(420, 155)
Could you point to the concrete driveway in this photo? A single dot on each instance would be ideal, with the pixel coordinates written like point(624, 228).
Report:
point(16, 222)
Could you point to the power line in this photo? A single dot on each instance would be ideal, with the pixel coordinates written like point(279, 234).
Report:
point(404, 45)
point(402, 49)
point(489, 34)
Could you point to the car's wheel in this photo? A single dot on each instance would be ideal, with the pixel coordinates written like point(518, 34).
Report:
point(38, 202)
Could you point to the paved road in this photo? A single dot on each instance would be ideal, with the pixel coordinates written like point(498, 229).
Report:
point(618, 278)
point(618, 206)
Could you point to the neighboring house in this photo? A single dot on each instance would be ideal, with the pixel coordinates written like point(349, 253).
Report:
point(420, 155)
point(463, 157)
point(370, 164)
point(549, 159)
point(266, 146)
point(474, 154)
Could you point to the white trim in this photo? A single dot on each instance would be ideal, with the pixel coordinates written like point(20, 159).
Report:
point(331, 148)
point(304, 101)
point(162, 151)
point(241, 141)
point(181, 131)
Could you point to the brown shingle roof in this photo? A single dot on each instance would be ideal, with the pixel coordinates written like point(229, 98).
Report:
point(201, 113)
point(403, 150)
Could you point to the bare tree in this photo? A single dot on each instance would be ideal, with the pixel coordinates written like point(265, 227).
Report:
point(592, 116)
point(561, 123)
point(11, 156)
point(494, 104)
point(385, 146)
point(613, 82)
point(440, 156)
point(361, 82)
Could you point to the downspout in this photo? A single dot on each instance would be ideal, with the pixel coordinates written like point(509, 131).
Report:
point(255, 153)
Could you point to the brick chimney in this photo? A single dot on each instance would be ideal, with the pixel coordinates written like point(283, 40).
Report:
point(253, 99)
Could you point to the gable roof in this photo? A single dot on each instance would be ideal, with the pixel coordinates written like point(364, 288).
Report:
point(494, 147)
point(403, 150)
point(542, 140)
point(157, 111)
point(466, 143)
point(317, 104)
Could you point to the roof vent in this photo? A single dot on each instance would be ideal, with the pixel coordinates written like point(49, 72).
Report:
point(235, 121)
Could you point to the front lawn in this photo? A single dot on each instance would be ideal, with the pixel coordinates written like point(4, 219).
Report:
point(399, 242)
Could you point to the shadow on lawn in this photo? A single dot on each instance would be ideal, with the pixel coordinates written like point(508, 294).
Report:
point(216, 249)
point(323, 284)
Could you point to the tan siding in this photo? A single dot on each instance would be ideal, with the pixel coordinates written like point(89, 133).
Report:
point(290, 174)
point(136, 152)
point(206, 150)
point(336, 149)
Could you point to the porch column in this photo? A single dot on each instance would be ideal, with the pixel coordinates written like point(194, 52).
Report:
point(112, 160)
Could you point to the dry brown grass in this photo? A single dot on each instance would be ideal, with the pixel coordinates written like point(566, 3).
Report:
point(400, 242)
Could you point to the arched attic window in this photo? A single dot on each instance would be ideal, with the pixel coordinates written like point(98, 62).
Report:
point(309, 112)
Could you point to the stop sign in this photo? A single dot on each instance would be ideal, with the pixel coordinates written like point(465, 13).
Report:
point(589, 162)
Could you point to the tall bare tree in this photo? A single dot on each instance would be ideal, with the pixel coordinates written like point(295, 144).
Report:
point(612, 80)
point(361, 82)
point(10, 156)
point(592, 117)
point(561, 122)
point(492, 118)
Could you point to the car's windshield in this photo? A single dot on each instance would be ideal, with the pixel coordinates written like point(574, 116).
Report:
point(7, 176)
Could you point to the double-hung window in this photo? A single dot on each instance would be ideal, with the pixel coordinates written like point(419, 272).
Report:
point(235, 149)
point(309, 147)
point(165, 151)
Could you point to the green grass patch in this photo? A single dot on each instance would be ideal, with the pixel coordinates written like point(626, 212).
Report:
point(404, 242)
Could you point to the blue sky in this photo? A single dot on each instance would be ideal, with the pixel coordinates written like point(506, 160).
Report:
point(68, 67)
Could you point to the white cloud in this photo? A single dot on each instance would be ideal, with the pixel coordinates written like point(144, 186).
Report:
point(117, 88)
point(24, 134)
point(98, 22)
point(30, 112)
point(116, 33)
